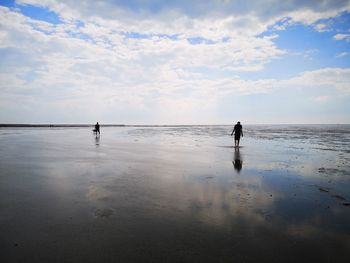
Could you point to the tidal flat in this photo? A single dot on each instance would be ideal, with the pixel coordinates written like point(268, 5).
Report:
point(175, 194)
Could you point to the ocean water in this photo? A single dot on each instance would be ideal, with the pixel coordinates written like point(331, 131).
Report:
point(180, 193)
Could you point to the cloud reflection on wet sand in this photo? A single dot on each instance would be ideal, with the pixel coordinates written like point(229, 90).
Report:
point(158, 200)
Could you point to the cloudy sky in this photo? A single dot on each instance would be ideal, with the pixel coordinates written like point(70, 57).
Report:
point(175, 61)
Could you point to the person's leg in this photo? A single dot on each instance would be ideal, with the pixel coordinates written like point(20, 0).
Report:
point(238, 142)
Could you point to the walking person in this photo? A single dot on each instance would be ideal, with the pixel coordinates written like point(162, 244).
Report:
point(97, 128)
point(238, 131)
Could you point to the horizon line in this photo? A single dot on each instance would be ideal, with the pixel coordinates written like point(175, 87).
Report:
point(3, 125)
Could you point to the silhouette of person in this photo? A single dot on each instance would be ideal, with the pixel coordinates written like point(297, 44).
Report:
point(237, 130)
point(97, 128)
point(237, 161)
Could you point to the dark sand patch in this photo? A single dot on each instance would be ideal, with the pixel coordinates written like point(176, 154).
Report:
point(103, 212)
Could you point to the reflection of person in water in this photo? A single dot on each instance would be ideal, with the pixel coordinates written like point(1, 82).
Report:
point(237, 162)
point(237, 130)
point(97, 140)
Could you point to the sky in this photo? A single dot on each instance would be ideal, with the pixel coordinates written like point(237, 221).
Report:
point(175, 61)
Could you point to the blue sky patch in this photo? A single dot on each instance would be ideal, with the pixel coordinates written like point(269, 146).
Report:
point(40, 13)
point(34, 12)
point(199, 40)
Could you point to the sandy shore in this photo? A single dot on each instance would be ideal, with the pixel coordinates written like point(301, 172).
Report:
point(170, 195)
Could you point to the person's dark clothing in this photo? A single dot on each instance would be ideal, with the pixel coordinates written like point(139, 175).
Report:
point(97, 128)
point(238, 131)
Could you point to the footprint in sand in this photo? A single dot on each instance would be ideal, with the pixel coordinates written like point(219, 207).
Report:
point(103, 213)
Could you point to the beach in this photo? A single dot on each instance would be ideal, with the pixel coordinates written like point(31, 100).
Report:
point(175, 194)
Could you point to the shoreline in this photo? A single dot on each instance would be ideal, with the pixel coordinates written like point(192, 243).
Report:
point(45, 125)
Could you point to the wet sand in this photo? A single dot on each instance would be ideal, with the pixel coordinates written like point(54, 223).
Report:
point(181, 194)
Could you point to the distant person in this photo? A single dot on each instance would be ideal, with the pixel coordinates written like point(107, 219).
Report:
point(97, 128)
point(237, 130)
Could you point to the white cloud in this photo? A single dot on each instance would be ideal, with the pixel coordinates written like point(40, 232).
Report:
point(341, 36)
point(66, 68)
point(322, 99)
point(342, 54)
point(103, 43)
point(322, 27)
point(208, 19)
point(335, 79)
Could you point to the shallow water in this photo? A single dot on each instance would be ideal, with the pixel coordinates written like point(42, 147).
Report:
point(178, 194)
